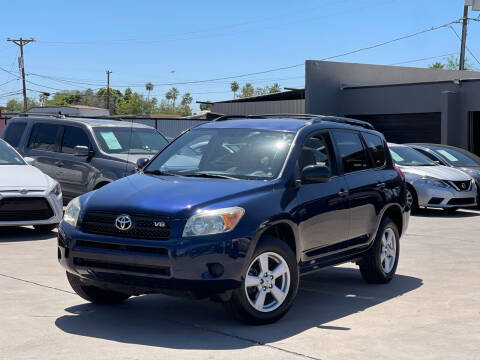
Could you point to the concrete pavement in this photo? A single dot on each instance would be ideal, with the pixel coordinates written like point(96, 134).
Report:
point(429, 311)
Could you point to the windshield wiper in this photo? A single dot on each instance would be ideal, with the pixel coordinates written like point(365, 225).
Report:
point(209, 175)
point(158, 172)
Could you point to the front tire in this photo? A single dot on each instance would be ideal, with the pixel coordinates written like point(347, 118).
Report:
point(378, 266)
point(270, 284)
point(95, 294)
point(412, 199)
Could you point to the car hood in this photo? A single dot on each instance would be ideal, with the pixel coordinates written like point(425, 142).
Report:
point(173, 196)
point(17, 177)
point(438, 172)
point(473, 171)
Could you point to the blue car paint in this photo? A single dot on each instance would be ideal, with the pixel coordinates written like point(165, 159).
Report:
point(266, 202)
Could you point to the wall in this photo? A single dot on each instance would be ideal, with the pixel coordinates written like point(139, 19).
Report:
point(168, 127)
point(261, 107)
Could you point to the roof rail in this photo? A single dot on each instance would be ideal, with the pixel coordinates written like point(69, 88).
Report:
point(314, 118)
point(344, 120)
point(59, 115)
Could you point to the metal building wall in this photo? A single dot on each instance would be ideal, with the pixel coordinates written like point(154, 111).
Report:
point(260, 107)
point(170, 128)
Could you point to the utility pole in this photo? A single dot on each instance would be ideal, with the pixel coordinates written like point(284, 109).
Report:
point(464, 37)
point(108, 90)
point(21, 42)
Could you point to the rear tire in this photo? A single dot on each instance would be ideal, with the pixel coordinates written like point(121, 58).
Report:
point(95, 294)
point(45, 228)
point(269, 285)
point(378, 266)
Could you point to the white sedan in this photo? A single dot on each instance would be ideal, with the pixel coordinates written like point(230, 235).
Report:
point(27, 195)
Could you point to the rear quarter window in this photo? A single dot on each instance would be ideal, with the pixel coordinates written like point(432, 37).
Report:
point(13, 133)
point(376, 148)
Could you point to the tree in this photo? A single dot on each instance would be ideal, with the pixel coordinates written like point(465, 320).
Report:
point(452, 63)
point(437, 65)
point(205, 107)
point(247, 91)
point(172, 94)
point(275, 88)
point(186, 99)
point(149, 87)
point(234, 87)
point(14, 106)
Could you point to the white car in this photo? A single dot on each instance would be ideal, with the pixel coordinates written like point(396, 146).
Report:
point(433, 185)
point(27, 195)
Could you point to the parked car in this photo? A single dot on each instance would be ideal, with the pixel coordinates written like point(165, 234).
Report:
point(265, 200)
point(27, 196)
point(82, 154)
point(433, 185)
point(453, 157)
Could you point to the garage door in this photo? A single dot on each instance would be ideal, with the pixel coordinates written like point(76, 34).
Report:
point(404, 128)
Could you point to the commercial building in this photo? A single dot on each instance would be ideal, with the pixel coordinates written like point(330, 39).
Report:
point(406, 104)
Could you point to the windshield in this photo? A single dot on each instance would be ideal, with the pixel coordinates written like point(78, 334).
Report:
point(406, 156)
point(457, 157)
point(8, 156)
point(126, 140)
point(232, 153)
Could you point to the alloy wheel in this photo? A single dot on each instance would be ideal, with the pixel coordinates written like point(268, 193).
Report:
point(267, 282)
point(388, 253)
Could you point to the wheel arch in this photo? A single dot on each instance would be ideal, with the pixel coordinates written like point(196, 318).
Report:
point(394, 212)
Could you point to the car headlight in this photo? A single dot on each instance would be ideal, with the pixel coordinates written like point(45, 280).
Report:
point(211, 222)
point(435, 182)
point(72, 212)
point(57, 190)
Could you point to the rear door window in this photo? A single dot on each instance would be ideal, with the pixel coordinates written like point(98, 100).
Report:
point(376, 148)
point(351, 150)
point(74, 136)
point(14, 133)
point(44, 137)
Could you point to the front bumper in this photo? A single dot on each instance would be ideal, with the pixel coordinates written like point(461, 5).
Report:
point(198, 266)
point(55, 202)
point(437, 197)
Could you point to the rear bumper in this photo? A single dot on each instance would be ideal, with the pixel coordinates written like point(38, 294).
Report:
point(436, 197)
point(197, 266)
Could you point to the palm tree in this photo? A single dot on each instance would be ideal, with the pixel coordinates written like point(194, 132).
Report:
point(275, 88)
point(234, 87)
point(174, 95)
point(149, 87)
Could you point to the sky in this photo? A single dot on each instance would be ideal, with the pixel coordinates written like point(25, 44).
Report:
point(173, 42)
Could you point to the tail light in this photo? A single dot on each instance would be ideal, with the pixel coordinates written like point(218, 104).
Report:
point(400, 172)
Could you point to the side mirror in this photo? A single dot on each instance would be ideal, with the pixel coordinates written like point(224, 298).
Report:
point(81, 151)
point(141, 164)
point(315, 174)
point(29, 160)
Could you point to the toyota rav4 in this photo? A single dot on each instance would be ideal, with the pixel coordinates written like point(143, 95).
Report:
point(236, 210)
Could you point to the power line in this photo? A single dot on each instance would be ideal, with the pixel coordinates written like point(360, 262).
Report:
point(427, 58)
point(468, 49)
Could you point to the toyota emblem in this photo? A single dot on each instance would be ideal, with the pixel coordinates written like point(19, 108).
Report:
point(23, 191)
point(123, 222)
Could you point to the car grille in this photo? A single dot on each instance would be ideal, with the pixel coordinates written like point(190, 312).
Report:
point(463, 185)
point(25, 209)
point(143, 226)
point(462, 201)
point(154, 270)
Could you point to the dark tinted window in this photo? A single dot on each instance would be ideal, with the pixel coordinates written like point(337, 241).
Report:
point(376, 148)
point(43, 137)
point(429, 155)
point(74, 136)
point(14, 133)
point(315, 151)
point(351, 150)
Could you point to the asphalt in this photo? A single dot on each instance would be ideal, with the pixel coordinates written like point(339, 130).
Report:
point(431, 310)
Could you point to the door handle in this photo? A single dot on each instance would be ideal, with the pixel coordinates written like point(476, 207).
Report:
point(343, 192)
point(381, 185)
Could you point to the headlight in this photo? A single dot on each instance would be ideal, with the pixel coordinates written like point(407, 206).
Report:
point(211, 222)
point(435, 182)
point(57, 190)
point(72, 212)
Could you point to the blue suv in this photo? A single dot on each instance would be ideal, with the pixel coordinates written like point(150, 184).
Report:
point(236, 210)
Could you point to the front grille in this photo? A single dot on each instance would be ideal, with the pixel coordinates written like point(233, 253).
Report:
point(143, 226)
point(155, 270)
point(463, 185)
point(462, 201)
point(121, 247)
point(25, 209)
